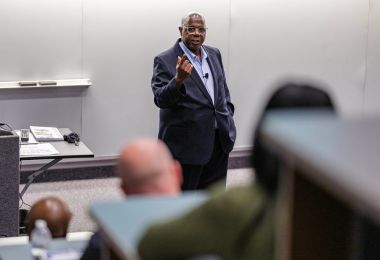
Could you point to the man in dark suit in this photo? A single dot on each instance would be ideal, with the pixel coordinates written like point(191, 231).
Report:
point(196, 113)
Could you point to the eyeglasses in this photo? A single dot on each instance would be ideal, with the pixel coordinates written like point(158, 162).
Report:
point(201, 30)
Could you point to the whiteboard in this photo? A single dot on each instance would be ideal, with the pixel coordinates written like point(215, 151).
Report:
point(334, 42)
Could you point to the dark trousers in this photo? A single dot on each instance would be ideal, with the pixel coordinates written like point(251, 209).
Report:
point(198, 177)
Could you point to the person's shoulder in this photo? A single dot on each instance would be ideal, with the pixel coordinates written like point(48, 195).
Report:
point(244, 192)
point(219, 190)
point(166, 53)
point(211, 49)
point(237, 197)
point(169, 51)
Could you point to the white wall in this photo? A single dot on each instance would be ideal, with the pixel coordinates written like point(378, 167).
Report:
point(322, 40)
point(113, 43)
point(372, 87)
point(40, 40)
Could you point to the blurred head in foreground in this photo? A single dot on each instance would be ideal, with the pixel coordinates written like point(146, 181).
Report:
point(146, 166)
point(54, 211)
point(287, 96)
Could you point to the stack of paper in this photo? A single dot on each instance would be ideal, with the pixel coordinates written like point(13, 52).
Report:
point(46, 134)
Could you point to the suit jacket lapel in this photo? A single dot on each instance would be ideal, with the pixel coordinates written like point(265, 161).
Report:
point(198, 81)
point(211, 63)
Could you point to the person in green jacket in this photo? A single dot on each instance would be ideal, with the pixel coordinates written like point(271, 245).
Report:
point(238, 223)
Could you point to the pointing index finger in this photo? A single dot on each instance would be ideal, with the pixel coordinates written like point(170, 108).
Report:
point(182, 60)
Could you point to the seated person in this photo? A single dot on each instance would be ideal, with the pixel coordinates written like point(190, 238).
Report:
point(240, 223)
point(54, 211)
point(145, 167)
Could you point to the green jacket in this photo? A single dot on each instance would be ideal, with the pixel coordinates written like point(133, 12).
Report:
point(219, 227)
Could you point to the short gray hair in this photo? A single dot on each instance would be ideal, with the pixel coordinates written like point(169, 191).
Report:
point(187, 17)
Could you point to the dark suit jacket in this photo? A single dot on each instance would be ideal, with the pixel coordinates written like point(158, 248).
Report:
point(187, 117)
point(93, 250)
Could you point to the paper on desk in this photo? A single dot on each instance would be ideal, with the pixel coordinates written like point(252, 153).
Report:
point(46, 134)
point(37, 149)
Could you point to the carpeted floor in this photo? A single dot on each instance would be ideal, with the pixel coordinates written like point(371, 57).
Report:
point(79, 194)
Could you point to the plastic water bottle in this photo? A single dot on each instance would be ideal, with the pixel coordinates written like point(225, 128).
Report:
point(40, 239)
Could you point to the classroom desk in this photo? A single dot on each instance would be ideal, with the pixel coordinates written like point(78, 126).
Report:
point(330, 175)
point(66, 150)
point(12, 252)
point(122, 222)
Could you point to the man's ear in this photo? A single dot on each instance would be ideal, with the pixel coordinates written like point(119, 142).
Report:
point(123, 188)
point(180, 30)
point(178, 171)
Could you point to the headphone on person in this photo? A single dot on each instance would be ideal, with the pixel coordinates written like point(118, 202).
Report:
point(72, 138)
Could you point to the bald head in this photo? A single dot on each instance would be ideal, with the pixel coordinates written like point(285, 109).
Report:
point(185, 20)
point(54, 211)
point(146, 166)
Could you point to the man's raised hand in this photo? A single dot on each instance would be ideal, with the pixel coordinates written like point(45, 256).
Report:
point(183, 69)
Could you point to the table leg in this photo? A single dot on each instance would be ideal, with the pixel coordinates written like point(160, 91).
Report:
point(37, 173)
